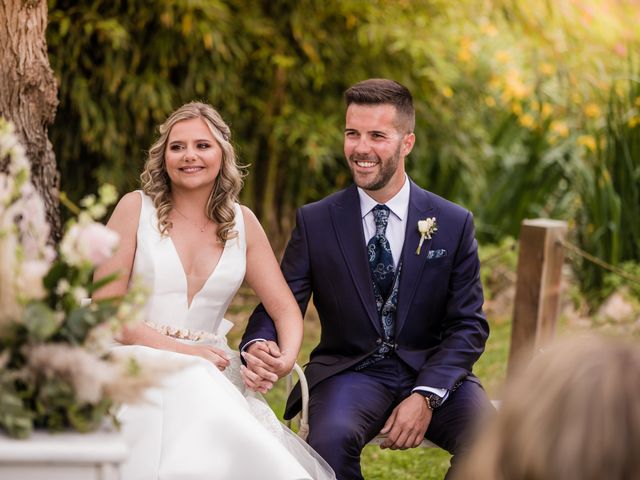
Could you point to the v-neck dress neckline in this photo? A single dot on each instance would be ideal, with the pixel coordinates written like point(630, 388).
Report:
point(158, 265)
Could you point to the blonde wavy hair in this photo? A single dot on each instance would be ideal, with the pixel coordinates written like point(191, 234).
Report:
point(573, 413)
point(157, 184)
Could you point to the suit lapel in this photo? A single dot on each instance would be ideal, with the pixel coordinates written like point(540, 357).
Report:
point(420, 207)
point(347, 223)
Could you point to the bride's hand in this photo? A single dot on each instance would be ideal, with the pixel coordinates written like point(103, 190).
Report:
point(215, 355)
point(267, 357)
point(256, 383)
point(265, 364)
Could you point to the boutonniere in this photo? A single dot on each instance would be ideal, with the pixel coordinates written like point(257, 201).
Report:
point(426, 227)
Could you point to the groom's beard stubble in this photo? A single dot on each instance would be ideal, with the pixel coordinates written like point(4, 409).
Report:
point(387, 168)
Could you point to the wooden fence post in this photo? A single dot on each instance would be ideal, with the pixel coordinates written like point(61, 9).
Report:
point(537, 287)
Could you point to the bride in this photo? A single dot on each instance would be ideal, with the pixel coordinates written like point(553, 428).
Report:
point(192, 244)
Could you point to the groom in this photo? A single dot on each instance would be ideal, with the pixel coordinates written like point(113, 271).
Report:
point(395, 277)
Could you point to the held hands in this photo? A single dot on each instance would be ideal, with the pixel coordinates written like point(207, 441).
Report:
point(407, 424)
point(265, 364)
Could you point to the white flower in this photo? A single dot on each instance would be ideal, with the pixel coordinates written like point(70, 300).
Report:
point(62, 287)
point(124, 311)
point(79, 294)
point(427, 228)
point(91, 243)
point(88, 374)
point(30, 279)
point(108, 194)
point(97, 211)
point(88, 201)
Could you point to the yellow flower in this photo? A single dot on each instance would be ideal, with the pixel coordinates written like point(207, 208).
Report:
point(516, 108)
point(207, 40)
point(592, 110)
point(587, 141)
point(547, 109)
point(490, 101)
point(490, 30)
point(527, 121)
point(502, 56)
point(464, 55)
point(464, 52)
point(634, 121)
point(447, 92)
point(515, 87)
point(559, 128)
point(547, 69)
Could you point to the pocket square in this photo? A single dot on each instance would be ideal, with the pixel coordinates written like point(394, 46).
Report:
point(433, 254)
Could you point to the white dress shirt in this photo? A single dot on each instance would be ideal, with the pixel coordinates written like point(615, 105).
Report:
point(396, 227)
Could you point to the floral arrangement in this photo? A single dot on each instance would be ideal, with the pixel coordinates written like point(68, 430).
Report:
point(56, 371)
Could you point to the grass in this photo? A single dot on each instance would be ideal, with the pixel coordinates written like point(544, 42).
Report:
point(377, 464)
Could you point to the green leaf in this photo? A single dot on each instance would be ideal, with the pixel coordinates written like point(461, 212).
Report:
point(78, 324)
point(40, 321)
point(102, 282)
point(15, 418)
point(58, 271)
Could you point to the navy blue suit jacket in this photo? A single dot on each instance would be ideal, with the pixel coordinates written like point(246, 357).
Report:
point(440, 326)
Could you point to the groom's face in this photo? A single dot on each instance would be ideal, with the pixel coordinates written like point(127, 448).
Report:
point(375, 147)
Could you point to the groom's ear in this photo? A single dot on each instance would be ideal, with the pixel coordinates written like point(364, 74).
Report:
point(408, 140)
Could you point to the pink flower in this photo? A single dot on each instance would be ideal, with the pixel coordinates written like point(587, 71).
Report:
point(92, 243)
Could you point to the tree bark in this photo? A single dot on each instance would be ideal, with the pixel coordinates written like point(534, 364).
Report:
point(29, 93)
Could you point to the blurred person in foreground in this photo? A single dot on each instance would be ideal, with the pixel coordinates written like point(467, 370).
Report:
point(573, 413)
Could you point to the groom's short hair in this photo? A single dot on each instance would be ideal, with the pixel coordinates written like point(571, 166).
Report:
point(378, 91)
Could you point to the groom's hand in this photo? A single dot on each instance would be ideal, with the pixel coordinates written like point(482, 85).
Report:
point(407, 424)
point(267, 357)
point(265, 364)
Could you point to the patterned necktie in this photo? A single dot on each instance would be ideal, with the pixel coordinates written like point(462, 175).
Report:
point(379, 251)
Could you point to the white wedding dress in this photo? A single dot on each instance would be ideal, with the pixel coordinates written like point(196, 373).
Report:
point(201, 423)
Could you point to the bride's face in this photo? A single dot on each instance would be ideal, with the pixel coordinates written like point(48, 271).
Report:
point(192, 156)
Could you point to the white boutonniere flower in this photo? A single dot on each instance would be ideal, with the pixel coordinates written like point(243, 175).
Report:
point(426, 227)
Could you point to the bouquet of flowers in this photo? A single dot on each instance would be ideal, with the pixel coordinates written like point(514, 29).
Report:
point(56, 371)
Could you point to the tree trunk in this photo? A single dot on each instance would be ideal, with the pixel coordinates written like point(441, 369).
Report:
point(29, 93)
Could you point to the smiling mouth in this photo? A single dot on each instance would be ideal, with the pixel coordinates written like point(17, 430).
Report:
point(365, 164)
point(191, 169)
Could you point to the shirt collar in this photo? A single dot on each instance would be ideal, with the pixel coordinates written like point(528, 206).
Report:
point(398, 204)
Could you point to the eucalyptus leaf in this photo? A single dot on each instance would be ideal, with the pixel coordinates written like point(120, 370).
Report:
point(40, 321)
point(78, 324)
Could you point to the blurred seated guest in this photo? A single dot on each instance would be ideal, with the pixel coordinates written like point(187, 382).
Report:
point(573, 413)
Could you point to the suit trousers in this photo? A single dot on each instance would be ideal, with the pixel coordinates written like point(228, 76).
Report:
point(349, 409)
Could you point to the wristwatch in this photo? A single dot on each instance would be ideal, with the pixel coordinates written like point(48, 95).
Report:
point(433, 400)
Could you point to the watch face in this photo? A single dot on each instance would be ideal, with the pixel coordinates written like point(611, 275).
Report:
point(434, 400)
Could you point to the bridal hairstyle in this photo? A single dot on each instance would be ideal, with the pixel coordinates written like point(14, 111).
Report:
point(157, 184)
point(379, 91)
point(574, 413)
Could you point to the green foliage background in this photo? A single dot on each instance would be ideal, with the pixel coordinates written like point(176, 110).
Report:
point(523, 109)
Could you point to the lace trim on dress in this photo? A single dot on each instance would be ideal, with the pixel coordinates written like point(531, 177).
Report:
point(184, 333)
